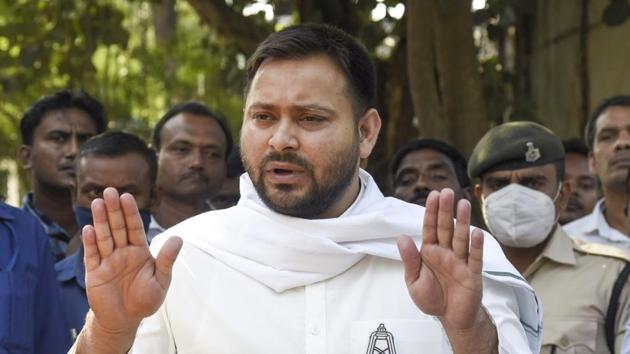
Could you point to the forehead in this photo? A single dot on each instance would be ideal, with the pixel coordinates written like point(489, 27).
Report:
point(193, 128)
point(303, 81)
point(575, 161)
point(426, 158)
point(613, 117)
point(547, 170)
point(66, 119)
point(116, 171)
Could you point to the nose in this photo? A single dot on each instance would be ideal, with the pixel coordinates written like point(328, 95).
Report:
point(623, 141)
point(421, 183)
point(72, 149)
point(197, 159)
point(283, 137)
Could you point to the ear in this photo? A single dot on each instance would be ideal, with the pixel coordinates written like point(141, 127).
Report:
point(477, 192)
point(24, 155)
point(156, 197)
point(564, 194)
point(369, 127)
point(591, 163)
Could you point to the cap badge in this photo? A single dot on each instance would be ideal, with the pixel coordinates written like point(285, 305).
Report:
point(533, 153)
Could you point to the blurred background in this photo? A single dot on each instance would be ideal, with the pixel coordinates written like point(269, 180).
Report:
point(447, 69)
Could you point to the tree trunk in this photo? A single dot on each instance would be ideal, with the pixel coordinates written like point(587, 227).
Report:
point(421, 70)
point(460, 82)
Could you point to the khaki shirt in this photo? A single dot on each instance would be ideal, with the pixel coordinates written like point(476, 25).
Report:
point(574, 281)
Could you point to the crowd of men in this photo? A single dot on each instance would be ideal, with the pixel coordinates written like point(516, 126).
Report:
point(312, 257)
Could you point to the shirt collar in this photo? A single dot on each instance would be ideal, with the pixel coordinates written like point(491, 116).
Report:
point(596, 224)
point(72, 267)
point(559, 249)
point(51, 228)
point(5, 212)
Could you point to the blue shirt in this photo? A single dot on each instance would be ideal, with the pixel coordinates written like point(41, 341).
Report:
point(30, 312)
point(74, 303)
point(57, 236)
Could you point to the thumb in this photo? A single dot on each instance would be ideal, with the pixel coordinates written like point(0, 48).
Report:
point(412, 261)
point(165, 260)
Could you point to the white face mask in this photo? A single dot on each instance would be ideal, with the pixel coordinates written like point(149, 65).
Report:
point(518, 216)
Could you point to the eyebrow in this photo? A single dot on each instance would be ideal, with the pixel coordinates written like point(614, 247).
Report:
point(304, 107)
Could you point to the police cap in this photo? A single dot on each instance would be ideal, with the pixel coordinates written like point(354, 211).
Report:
point(515, 145)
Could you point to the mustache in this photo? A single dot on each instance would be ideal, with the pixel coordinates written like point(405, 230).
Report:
point(575, 203)
point(289, 157)
point(421, 194)
point(194, 174)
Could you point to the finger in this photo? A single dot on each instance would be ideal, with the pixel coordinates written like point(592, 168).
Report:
point(165, 260)
point(135, 227)
point(104, 240)
point(412, 261)
point(445, 218)
point(462, 230)
point(475, 258)
point(115, 217)
point(91, 258)
point(429, 225)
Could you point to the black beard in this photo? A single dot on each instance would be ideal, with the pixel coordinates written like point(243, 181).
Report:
point(321, 196)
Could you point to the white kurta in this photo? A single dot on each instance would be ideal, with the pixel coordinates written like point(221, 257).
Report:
point(212, 308)
point(249, 280)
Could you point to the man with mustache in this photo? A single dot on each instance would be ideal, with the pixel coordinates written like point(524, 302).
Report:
point(114, 159)
point(607, 135)
point(584, 191)
point(52, 130)
point(426, 165)
point(193, 144)
point(307, 261)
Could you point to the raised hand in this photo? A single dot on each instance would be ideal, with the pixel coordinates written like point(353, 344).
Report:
point(444, 277)
point(124, 282)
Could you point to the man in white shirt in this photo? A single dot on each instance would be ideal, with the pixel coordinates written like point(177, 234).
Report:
point(608, 138)
point(306, 262)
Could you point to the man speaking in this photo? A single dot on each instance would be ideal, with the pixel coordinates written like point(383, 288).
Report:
point(307, 261)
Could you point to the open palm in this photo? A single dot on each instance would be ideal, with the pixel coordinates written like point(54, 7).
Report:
point(444, 277)
point(124, 282)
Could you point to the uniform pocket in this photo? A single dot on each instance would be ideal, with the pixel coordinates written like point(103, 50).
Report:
point(575, 336)
point(398, 337)
point(16, 313)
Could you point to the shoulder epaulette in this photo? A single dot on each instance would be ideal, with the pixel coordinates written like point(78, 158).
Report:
point(600, 249)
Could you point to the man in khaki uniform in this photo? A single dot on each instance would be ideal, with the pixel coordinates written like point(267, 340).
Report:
point(520, 166)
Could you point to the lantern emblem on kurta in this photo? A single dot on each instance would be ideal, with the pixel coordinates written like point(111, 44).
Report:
point(381, 341)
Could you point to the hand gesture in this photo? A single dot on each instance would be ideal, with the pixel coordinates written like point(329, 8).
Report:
point(444, 277)
point(124, 282)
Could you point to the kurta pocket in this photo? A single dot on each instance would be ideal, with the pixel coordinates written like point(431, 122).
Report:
point(393, 336)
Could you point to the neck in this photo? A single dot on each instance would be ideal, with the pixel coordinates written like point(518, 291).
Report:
point(615, 214)
point(172, 211)
point(56, 204)
point(522, 258)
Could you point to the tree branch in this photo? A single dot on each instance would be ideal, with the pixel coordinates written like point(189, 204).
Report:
point(230, 24)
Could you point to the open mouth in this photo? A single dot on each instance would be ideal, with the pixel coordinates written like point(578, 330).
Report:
point(283, 173)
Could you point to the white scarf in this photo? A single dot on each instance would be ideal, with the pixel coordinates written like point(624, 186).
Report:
point(284, 252)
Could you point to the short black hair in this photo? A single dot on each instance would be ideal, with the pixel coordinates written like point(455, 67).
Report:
point(114, 144)
point(459, 161)
point(61, 100)
point(198, 109)
point(235, 164)
point(589, 131)
point(575, 146)
point(299, 42)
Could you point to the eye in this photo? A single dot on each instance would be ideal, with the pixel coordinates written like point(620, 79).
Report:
point(261, 117)
point(406, 180)
point(438, 177)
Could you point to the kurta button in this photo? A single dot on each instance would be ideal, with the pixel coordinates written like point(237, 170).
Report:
point(314, 330)
point(564, 341)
